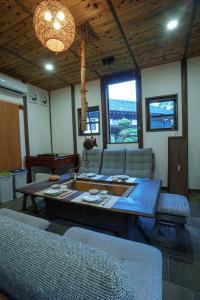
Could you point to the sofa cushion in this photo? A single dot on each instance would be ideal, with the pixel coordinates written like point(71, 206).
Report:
point(24, 218)
point(139, 163)
point(95, 161)
point(143, 263)
point(36, 264)
point(173, 204)
point(113, 162)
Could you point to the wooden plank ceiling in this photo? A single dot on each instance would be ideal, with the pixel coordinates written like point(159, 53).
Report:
point(143, 22)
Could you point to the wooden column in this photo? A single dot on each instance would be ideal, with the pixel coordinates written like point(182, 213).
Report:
point(83, 88)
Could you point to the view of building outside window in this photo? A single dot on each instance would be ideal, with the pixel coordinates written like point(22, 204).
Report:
point(122, 112)
point(162, 115)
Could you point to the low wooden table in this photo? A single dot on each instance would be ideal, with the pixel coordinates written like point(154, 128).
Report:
point(138, 199)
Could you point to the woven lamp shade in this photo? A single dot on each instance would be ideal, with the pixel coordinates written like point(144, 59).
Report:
point(54, 25)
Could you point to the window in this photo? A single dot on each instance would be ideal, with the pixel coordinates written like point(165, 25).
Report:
point(122, 112)
point(161, 113)
point(93, 113)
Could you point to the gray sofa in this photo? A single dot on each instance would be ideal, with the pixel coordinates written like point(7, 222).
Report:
point(135, 163)
point(36, 264)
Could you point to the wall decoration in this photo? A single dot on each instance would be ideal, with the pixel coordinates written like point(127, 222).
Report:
point(44, 100)
point(33, 97)
point(38, 98)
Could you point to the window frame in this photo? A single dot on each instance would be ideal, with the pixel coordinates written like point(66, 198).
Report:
point(114, 79)
point(160, 99)
point(90, 109)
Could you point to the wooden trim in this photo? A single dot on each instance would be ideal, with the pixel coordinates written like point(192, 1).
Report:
point(104, 113)
point(184, 89)
point(159, 99)
point(26, 131)
point(74, 118)
point(119, 26)
point(50, 121)
point(119, 77)
point(189, 33)
point(139, 110)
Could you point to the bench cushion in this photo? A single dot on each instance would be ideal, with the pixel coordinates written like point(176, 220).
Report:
point(113, 162)
point(143, 263)
point(95, 161)
point(24, 218)
point(139, 163)
point(173, 204)
point(36, 264)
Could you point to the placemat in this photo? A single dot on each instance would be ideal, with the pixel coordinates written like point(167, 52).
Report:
point(106, 203)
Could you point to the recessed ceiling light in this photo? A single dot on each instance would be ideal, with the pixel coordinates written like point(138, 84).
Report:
point(172, 24)
point(49, 67)
point(2, 80)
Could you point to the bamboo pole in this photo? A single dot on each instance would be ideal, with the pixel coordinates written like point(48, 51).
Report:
point(83, 88)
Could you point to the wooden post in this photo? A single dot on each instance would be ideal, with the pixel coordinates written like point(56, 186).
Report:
point(83, 88)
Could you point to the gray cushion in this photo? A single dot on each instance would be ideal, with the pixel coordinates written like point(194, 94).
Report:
point(143, 263)
point(95, 161)
point(139, 163)
point(113, 162)
point(27, 219)
point(173, 204)
point(36, 264)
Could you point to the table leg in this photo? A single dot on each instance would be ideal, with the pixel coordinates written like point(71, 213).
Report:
point(34, 204)
point(24, 202)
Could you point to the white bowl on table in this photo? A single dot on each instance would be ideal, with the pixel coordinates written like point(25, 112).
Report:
point(93, 191)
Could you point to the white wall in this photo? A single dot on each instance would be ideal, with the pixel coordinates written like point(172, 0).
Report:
point(38, 123)
point(61, 121)
point(158, 81)
point(93, 99)
point(193, 122)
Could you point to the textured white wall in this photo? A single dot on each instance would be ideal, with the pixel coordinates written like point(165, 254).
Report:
point(61, 120)
point(39, 124)
point(158, 81)
point(193, 121)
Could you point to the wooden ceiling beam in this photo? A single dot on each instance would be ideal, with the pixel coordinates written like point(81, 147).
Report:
point(119, 26)
point(189, 33)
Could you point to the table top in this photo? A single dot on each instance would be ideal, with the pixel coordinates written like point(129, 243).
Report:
point(141, 202)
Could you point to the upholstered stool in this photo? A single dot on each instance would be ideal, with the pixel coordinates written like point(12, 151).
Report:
point(172, 209)
point(23, 218)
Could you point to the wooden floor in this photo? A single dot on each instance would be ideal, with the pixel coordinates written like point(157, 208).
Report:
point(181, 271)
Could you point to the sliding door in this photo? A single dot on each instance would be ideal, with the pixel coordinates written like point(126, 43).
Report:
point(10, 146)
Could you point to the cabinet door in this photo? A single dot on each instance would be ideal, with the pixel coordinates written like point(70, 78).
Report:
point(178, 165)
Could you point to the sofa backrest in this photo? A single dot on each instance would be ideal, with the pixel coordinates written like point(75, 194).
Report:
point(113, 162)
point(94, 159)
point(140, 163)
point(35, 264)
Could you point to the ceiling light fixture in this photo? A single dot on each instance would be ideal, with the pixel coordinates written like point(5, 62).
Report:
point(2, 80)
point(47, 16)
point(172, 24)
point(49, 67)
point(54, 25)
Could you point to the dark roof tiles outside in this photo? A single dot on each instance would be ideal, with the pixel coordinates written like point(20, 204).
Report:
point(130, 106)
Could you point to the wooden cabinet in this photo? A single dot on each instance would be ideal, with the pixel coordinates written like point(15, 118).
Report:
point(178, 165)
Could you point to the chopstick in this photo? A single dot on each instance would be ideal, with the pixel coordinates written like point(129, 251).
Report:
point(67, 193)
